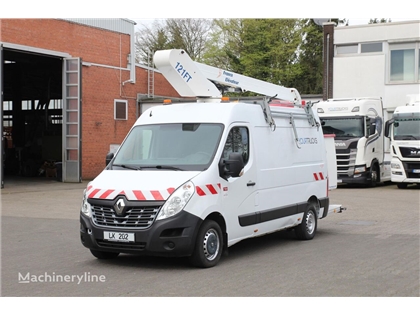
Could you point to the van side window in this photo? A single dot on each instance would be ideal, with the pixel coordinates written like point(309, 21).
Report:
point(238, 142)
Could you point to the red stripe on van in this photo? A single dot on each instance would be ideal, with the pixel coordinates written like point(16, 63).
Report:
point(93, 193)
point(212, 190)
point(139, 195)
point(156, 194)
point(106, 194)
point(200, 192)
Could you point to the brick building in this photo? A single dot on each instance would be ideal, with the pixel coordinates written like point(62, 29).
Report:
point(71, 92)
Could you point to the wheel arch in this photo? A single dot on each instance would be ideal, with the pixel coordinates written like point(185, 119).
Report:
point(375, 163)
point(220, 220)
point(313, 199)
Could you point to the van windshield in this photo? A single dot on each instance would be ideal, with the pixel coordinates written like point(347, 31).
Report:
point(345, 127)
point(187, 146)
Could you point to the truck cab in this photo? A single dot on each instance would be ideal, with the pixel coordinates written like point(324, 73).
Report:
point(403, 129)
point(360, 144)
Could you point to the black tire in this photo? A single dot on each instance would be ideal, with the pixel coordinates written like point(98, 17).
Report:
point(104, 255)
point(307, 229)
point(402, 185)
point(374, 175)
point(208, 245)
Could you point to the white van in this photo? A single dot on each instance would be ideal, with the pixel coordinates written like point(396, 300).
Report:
point(194, 179)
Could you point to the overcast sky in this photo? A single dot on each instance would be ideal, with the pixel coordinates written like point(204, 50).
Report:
point(209, 9)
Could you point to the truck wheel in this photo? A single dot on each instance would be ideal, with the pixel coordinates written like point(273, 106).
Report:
point(374, 175)
point(307, 229)
point(103, 255)
point(208, 245)
point(402, 185)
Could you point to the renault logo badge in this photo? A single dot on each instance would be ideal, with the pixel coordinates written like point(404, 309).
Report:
point(119, 206)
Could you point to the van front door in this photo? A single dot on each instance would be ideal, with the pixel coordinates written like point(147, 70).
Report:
point(240, 193)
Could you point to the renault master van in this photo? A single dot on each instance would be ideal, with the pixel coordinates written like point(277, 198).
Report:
point(194, 179)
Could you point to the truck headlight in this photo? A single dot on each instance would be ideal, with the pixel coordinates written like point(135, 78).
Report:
point(359, 169)
point(395, 165)
point(85, 208)
point(177, 201)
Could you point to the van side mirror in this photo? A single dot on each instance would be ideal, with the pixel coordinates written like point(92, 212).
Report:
point(231, 167)
point(109, 157)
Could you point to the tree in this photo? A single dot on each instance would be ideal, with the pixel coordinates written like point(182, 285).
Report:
point(150, 39)
point(309, 67)
point(191, 35)
point(225, 44)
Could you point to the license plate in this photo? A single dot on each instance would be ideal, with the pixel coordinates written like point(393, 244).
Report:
point(416, 171)
point(119, 236)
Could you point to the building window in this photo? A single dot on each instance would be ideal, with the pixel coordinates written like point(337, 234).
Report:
point(346, 49)
point(404, 63)
point(370, 48)
point(120, 109)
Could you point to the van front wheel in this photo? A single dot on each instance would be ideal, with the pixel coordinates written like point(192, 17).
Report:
point(307, 229)
point(208, 245)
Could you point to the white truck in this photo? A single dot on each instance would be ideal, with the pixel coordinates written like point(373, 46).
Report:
point(362, 156)
point(403, 129)
point(193, 179)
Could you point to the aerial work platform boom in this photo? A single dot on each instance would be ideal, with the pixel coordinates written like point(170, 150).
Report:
point(197, 78)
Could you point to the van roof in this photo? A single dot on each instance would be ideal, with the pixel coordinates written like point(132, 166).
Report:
point(225, 113)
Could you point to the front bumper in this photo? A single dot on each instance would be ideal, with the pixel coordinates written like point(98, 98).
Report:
point(169, 237)
point(358, 179)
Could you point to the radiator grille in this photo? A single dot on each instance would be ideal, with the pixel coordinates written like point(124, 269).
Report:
point(134, 217)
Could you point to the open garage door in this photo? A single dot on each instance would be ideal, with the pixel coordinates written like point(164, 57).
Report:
point(72, 123)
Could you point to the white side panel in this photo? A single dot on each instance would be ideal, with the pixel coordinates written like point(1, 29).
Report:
point(331, 161)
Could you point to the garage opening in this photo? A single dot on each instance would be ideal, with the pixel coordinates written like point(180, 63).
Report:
point(32, 114)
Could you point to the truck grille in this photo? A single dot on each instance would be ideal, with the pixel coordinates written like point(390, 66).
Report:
point(134, 217)
point(345, 162)
point(409, 167)
point(410, 152)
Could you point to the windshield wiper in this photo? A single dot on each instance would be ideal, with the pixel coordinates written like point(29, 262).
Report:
point(163, 167)
point(127, 167)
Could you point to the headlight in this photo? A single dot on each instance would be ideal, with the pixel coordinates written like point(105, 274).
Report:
point(176, 201)
point(85, 208)
point(359, 169)
point(395, 165)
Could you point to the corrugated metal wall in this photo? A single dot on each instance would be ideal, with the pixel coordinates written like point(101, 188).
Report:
point(125, 26)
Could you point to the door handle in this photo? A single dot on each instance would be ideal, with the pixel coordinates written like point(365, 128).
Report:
point(250, 184)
